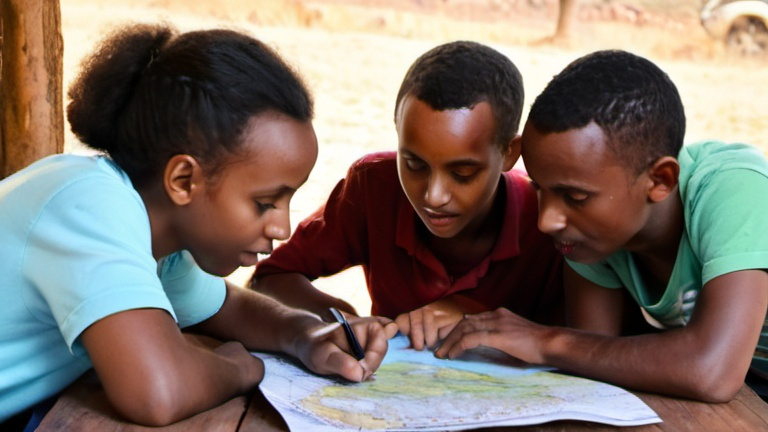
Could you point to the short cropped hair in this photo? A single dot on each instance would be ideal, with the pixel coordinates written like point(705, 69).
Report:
point(630, 98)
point(147, 93)
point(462, 74)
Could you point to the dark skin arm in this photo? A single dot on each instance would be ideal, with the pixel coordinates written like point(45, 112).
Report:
point(153, 375)
point(295, 290)
point(591, 307)
point(264, 324)
point(424, 326)
point(706, 360)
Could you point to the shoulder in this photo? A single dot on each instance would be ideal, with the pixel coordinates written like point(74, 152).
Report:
point(61, 180)
point(715, 167)
point(71, 194)
point(375, 162)
point(518, 177)
point(379, 168)
point(520, 190)
point(716, 156)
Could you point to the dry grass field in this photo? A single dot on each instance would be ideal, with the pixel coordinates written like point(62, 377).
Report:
point(353, 54)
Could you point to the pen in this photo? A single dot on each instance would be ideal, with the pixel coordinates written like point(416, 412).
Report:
point(357, 350)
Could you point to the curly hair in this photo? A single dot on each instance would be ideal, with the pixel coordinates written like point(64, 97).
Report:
point(630, 98)
point(148, 93)
point(462, 74)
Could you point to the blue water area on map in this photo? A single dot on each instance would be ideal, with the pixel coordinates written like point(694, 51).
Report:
point(480, 360)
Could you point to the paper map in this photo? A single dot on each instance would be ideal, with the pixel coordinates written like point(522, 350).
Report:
point(413, 390)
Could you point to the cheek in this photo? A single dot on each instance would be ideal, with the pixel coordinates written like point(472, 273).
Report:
point(477, 193)
point(413, 186)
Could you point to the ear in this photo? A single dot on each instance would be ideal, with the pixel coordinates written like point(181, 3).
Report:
point(181, 177)
point(663, 174)
point(512, 155)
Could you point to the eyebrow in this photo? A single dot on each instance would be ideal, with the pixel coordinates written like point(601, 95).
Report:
point(278, 191)
point(563, 186)
point(464, 162)
point(451, 164)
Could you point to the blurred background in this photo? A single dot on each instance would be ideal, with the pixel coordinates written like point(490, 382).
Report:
point(353, 55)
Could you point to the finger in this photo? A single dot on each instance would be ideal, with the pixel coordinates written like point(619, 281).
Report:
point(464, 326)
point(390, 330)
point(373, 339)
point(417, 329)
point(446, 329)
point(340, 363)
point(429, 328)
point(382, 320)
point(403, 323)
point(467, 342)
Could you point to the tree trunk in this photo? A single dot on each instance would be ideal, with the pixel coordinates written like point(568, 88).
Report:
point(565, 19)
point(31, 112)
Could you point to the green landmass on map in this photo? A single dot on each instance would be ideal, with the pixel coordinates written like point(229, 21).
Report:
point(403, 392)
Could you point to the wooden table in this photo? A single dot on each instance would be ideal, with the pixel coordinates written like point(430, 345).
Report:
point(84, 407)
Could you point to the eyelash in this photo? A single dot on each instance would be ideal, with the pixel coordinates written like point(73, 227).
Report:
point(463, 179)
point(264, 207)
point(415, 165)
point(576, 201)
point(566, 197)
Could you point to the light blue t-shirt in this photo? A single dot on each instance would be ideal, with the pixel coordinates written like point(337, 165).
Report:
point(724, 190)
point(75, 247)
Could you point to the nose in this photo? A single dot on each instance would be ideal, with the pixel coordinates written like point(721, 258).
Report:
point(278, 226)
point(551, 216)
point(438, 193)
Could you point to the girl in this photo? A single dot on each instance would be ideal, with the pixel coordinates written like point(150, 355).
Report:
point(205, 137)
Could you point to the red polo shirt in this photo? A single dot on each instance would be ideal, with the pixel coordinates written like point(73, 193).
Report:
point(369, 221)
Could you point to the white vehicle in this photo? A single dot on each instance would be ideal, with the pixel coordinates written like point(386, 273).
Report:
point(741, 24)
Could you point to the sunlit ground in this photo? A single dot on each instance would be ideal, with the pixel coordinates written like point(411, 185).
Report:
point(354, 59)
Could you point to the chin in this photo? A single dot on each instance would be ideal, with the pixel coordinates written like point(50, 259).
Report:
point(587, 258)
point(220, 271)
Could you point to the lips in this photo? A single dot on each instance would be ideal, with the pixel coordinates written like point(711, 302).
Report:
point(439, 219)
point(565, 247)
point(248, 259)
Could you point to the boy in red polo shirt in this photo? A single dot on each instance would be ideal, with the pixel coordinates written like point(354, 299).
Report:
point(443, 227)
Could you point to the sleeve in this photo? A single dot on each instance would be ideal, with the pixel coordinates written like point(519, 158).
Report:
point(194, 294)
point(330, 240)
point(600, 273)
point(727, 224)
point(89, 255)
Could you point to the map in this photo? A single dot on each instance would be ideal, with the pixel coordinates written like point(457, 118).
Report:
point(413, 390)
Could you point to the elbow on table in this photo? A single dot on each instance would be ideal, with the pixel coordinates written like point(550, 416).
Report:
point(715, 386)
point(153, 407)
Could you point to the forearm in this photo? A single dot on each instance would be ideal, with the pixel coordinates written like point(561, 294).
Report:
point(199, 380)
point(155, 376)
point(674, 362)
point(295, 290)
point(706, 360)
point(258, 321)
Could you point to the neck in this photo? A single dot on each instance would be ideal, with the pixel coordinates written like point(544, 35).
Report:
point(659, 242)
point(159, 208)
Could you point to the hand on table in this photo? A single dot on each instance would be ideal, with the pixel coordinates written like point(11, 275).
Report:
point(426, 326)
point(500, 329)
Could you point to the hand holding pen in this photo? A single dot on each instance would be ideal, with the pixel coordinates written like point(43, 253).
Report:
point(354, 344)
point(355, 355)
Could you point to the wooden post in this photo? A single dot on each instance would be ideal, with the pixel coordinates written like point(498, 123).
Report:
point(565, 17)
point(31, 112)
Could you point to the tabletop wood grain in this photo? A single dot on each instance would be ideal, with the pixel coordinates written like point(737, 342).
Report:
point(84, 407)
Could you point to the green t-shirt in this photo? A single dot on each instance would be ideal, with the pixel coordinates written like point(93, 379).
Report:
point(724, 190)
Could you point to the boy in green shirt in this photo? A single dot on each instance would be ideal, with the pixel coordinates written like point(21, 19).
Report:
point(683, 229)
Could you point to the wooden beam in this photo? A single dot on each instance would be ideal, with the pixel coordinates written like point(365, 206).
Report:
point(31, 112)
